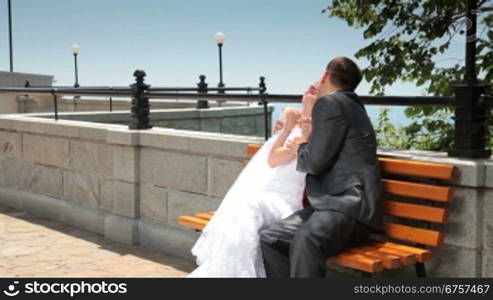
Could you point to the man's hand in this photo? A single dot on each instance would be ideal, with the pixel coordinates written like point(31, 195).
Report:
point(294, 144)
point(306, 127)
point(311, 95)
point(278, 126)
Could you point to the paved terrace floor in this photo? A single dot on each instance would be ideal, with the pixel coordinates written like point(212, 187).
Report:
point(36, 247)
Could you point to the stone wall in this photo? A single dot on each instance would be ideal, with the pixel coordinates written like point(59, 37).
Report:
point(242, 120)
point(131, 186)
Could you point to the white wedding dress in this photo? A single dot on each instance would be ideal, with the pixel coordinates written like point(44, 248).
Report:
point(229, 244)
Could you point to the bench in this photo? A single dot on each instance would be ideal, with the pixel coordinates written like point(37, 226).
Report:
point(415, 204)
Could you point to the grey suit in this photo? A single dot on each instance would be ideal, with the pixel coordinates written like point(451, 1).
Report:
point(343, 188)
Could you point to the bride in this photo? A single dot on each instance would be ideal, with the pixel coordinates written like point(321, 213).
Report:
point(268, 189)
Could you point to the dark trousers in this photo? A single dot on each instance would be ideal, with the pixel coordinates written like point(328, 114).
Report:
point(299, 245)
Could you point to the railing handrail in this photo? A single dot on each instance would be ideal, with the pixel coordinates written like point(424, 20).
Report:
point(174, 93)
point(470, 103)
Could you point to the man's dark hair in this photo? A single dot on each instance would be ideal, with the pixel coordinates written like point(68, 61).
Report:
point(344, 73)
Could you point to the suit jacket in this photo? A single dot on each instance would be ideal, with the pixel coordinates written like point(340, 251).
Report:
point(341, 160)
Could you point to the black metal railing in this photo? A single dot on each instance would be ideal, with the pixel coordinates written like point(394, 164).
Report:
point(140, 93)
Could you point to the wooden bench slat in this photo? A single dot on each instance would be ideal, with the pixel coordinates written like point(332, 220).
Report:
point(358, 262)
point(406, 258)
point(418, 190)
point(204, 216)
point(252, 149)
point(416, 168)
point(389, 261)
point(192, 222)
point(415, 235)
point(415, 211)
point(422, 255)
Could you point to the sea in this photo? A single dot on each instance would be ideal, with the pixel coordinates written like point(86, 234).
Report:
point(396, 115)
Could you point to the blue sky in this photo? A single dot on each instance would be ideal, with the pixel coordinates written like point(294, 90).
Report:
point(287, 41)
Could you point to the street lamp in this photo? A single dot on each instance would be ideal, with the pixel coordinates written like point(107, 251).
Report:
point(75, 51)
point(220, 38)
point(10, 36)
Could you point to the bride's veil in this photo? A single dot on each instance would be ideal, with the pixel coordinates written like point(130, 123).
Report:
point(251, 181)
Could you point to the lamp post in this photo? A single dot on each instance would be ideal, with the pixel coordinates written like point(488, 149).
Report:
point(75, 51)
point(470, 115)
point(220, 38)
point(10, 37)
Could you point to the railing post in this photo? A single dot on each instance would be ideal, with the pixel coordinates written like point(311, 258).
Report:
point(55, 105)
point(470, 116)
point(202, 85)
point(139, 118)
point(263, 89)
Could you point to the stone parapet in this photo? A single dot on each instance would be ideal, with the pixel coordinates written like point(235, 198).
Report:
point(131, 186)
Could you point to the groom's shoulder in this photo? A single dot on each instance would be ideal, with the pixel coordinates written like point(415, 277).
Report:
point(326, 104)
point(332, 101)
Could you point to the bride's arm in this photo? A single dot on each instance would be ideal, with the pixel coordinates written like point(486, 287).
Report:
point(280, 155)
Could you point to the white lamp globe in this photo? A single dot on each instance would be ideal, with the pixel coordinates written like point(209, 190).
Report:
point(75, 48)
point(219, 38)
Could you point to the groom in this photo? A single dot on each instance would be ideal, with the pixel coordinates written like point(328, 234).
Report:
point(338, 153)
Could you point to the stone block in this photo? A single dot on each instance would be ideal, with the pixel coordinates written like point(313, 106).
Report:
point(10, 144)
point(15, 173)
point(125, 199)
point(46, 150)
point(221, 176)
point(154, 203)
point(210, 125)
point(43, 206)
point(12, 197)
point(93, 133)
point(450, 261)
point(488, 219)
point(487, 263)
point(47, 181)
point(464, 227)
point(81, 188)
point(86, 218)
point(48, 127)
point(244, 125)
point(174, 170)
point(203, 143)
point(122, 137)
point(121, 229)
point(91, 157)
point(106, 195)
point(225, 146)
point(171, 240)
point(188, 124)
point(125, 163)
point(180, 203)
point(489, 174)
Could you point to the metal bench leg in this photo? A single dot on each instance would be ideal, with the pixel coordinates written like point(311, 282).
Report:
point(363, 274)
point(420, 270)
